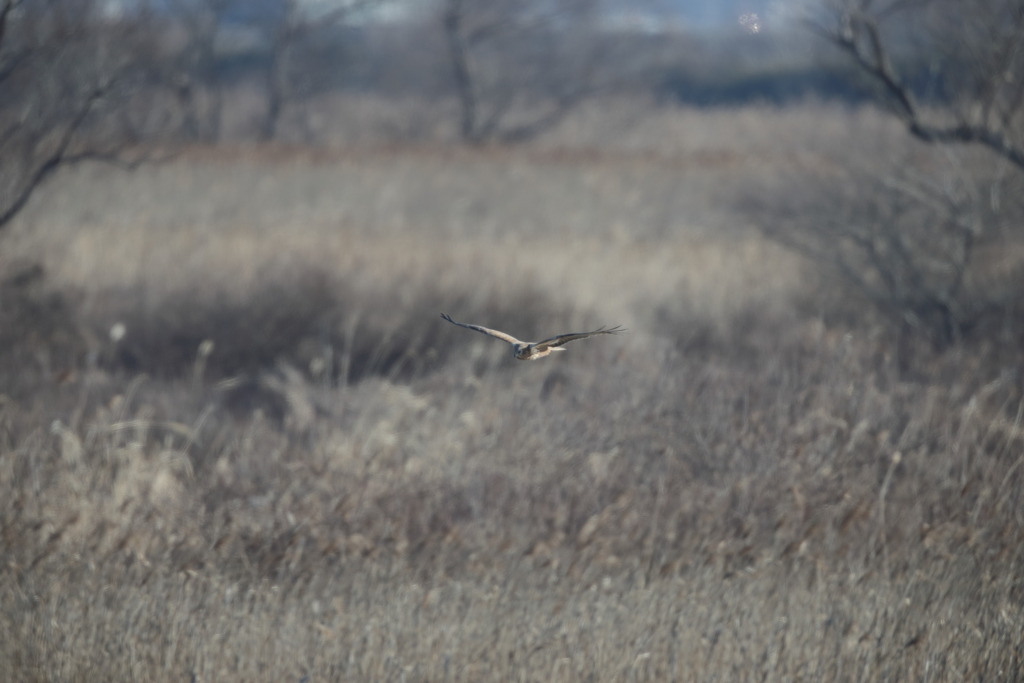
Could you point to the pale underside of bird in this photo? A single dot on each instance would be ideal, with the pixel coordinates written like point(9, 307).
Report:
point(524, 350)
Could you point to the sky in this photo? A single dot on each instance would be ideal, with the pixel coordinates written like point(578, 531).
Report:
point(752, 15)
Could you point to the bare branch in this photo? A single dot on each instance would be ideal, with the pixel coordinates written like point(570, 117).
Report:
point(459, 55)
point(965, 133)
point(859, 36)
point(291, 27)
point(81, 71)
point(519, 68)
point(873, 58)
point(52, 161)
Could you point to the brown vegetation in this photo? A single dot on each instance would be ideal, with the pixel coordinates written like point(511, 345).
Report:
point(237, 443)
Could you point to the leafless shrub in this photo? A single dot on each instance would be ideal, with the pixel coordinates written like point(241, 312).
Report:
point(69, 72)
point(912, 236)
point(292, 28)
point(191, 67)
point(974, 46)
point(329, 330)
point(518, 70)
point(906, 235)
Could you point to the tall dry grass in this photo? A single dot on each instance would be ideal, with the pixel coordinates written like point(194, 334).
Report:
point(289, 468)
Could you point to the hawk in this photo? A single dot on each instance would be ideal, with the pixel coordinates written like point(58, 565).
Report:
point(524, 350)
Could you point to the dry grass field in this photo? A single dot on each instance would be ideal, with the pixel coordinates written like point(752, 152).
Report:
point(237, 442)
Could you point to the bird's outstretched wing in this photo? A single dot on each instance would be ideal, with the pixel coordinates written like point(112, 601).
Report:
point(486, 330)
point(573, 336)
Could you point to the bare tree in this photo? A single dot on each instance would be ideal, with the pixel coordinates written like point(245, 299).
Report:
point(285, 32)
point(976, 47)
point(67, 70)
point(907, 226)
point(192, 70)
point(914, 232)
point(290, 26)
point(518, 68)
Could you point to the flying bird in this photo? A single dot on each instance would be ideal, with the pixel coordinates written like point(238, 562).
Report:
point(524, 350)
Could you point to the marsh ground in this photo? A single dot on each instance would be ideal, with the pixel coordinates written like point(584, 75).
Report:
point(288, 467)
